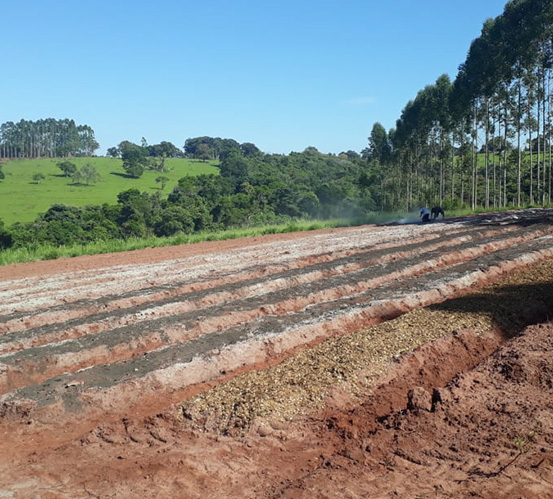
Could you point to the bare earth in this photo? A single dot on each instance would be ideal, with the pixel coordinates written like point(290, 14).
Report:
point(393, 361)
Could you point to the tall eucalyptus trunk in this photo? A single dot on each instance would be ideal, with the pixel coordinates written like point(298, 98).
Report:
point(487, 156)
point(519, 135)
point(538, 167)
point(549, 98)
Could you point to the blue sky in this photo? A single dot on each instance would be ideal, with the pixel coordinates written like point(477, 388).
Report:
point(284, 74)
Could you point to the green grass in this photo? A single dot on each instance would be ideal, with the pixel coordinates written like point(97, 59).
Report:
point(21, 199)
point(47, 252)
point(481, 158)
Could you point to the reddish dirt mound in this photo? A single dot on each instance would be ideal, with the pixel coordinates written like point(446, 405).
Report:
point(95, 355)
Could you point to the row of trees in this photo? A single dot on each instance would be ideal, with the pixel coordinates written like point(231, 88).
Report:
point(201, 148)
point(500, 105)
point(162, 150)
point(215, 148)
point(46, 138)
point(138, 158)
point(62, 138)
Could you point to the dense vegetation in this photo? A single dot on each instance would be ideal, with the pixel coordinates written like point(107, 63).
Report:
point(464, 141)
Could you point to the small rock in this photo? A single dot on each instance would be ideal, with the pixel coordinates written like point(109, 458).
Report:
point(419, 399)
point(264, 431)
point(74, 383)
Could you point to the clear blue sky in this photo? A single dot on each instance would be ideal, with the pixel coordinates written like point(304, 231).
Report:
point(283, 74)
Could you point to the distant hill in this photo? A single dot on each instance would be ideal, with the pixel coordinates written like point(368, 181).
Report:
point(22, 198)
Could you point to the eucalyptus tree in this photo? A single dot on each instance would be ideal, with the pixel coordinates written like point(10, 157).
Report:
point(506, 65)
point(549, 131)
point(502, 92)
point(477, 81)
point(530, 125)
point(422, 143)
point(379, 174)
point(379, 145)
point(528, 50)
point(443, 126)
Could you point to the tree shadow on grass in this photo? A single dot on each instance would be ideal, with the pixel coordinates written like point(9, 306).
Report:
point(78, 184)
point(124, 175)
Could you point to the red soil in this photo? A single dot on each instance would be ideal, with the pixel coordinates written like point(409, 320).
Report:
point(465, 416)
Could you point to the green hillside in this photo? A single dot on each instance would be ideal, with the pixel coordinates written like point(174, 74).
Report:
point(21, 198)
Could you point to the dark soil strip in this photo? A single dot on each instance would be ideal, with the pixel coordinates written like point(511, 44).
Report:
point(369, 268)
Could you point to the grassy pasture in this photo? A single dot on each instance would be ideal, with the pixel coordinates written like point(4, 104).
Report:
point(481, 159)
point(21, 198)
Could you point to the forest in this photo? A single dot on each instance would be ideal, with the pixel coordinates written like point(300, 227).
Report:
point(482, 140)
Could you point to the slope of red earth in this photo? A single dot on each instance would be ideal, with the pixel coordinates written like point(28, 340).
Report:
point(359, 362)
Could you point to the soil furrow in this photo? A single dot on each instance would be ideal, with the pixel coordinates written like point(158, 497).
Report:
point(177, 286)
point(214, 377)
point(181, 281)
point(146, 276)
point(129, 340)
point(29, 332)
point(275, 337)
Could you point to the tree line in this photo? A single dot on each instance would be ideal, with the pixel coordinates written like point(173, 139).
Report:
point(201, 148)
point(139, 158)
point(46, 138)
point(483, 139)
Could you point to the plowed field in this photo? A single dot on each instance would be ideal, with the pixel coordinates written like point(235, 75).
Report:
point(255, 368)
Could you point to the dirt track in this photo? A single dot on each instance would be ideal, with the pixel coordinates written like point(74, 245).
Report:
point(102, 358)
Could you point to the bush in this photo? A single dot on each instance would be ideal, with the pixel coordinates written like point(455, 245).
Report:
point(174, 220)
point(5, 237)
point(69, 169)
